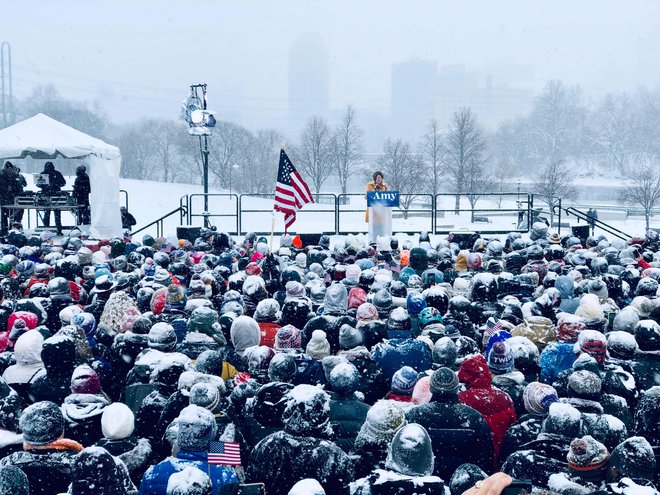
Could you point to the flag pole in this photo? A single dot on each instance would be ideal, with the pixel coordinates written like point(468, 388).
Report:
point(272, 223)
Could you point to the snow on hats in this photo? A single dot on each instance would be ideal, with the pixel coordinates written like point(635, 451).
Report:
point(318, 347)
point(569, 327)
point(383, 420)
point(244, 333)
point(410, 452)
point(307, 411)
point(404, 380)
point(634, 458)
point(288, 337)
point(85, 380)
point(267, 310)
point(587, 454)
point(598, 288)
point(176, 297)
point(584, 383)
point(465, 477)
point(197, 428)
point(356, 297)
point(294, 289)
point(590, 308)
point(593, 343)
point(41, 423)
point(500, 358)
point(206, 395)
point(366, 312)
point(349, 337)
point(13, 481)
point(444, 381)
point(282, 368)
point(162, 337)
point(445, 352)
point(621, 345)
point(345, 378)
point(537, 398)
point(307, 487)
point(647, 335)
point(189, 481)
point(563, 419)
point(422, 391)
point(117, 421)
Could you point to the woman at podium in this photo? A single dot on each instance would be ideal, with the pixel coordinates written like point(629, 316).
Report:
point(381, 220)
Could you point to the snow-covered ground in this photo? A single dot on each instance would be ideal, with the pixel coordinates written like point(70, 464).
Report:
point(150, 200)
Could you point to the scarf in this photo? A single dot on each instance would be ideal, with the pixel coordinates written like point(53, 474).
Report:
point(59, 444)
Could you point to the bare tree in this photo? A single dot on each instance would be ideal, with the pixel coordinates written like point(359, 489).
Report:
point(402, 170)
point(464, 147)
point(643, 188)
point(166, 135)
point(555, 182)
point(314, 155)
point(347, 147)
point(138, 153)
point(227, 151)
point(433, 154)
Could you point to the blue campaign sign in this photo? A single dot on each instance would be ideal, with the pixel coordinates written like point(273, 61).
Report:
point(383, 198)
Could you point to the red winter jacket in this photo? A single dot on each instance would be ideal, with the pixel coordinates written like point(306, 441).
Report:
point(268, 331)
point(494, 405)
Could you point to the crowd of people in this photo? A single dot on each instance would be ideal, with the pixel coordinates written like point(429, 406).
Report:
point(422, 366)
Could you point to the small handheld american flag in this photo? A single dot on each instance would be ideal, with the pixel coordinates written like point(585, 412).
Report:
point(291, 191)
point(225, 454)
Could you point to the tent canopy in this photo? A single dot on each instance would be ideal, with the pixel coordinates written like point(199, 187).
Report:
point(42, 137)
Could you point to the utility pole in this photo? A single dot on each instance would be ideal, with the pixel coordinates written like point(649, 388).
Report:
point(6, 89)
point(204, 148)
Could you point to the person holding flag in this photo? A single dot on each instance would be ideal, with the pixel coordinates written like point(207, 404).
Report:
point(291, 191)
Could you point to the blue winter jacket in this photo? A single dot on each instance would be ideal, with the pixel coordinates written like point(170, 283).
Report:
point(555, 358)
point(394, 354)
point(154, 481)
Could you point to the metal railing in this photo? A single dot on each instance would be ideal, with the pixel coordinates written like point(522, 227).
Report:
point(159, 223)
point(227, 204)
point(124, 193)
point(607, 228)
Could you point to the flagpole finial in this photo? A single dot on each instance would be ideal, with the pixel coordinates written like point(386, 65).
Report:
point(282, 147)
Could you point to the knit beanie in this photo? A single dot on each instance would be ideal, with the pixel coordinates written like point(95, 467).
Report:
point(537, 398)
point(500, 358)
point(350, 337)
point(634, 458)
point(569, 327)
point(598, 288)
point(593, 343)
point(383, 302)
point(584, 383)
point(465, 477)
point(422, 391)
point(445, 352)
point(117, 421)
point(162, 337)
point(410, 452)
point(404, 380)
point(267, 310)
point(206, 395)
point(444, 381)
point(345, 378)
point(356, 297)
point(85, 380)
point(41, 423)
point(13, 481)
point(176, 297)
point(288, 337)
point(383, 420)
point(647, 335)
point(621, 345)
point(197, 428)
point(189, 481)
point(563, 419)
point(587, 454)
point(366, 312)
point(399, 320)
point(282, 368)
point(318, 347)
point(294, 289)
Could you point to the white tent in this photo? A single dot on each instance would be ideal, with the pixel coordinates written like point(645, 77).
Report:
point(42, 137)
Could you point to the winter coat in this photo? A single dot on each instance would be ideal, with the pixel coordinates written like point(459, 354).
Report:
point(513, 384)
point(263, 412)
point(524, 431)
point(495, 406)
point(82, 415)
point(392, 355)
point(154, 481)
point(58, 355)
point(57, 304)
point(347, 414)
point(555, 358)
point(646, 420)
point(282, 459)
point(82, 188)
point(48, 471)
point(372, 381)
point(29, 365)
point(56, 180)
point(538, 460)
point(382, 482)
point(268, 332)
point(133, 452)
point(646, 368)
point(459, 434)
point(569, 303)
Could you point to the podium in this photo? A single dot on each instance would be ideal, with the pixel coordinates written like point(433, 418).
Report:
point(380, 204)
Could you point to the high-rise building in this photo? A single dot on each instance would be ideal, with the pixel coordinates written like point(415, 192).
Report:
point(308, 80)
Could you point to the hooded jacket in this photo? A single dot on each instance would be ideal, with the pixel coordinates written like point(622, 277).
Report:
point(82, 413)
point(29, 365)
point(569, 303)
point(495, 406)
point(59, 358)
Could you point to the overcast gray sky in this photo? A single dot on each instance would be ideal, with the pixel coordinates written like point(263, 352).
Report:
point(138, 57)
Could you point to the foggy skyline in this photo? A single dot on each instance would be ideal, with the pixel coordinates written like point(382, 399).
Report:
point(137, 59)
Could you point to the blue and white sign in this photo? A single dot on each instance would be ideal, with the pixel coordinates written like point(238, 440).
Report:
point(383, 198)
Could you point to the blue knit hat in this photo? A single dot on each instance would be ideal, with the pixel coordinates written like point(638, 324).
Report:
point(415, 303)
point(404, 380)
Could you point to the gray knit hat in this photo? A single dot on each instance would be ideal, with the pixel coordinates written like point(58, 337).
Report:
point(444, 381)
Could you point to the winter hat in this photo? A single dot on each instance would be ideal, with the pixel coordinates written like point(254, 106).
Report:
point(422, 391)
point(301, 260)
point(366, 312)
point(176, 297)
point(84, 255)
point(244, 333)
point(647, 335)
point(473, 368)
point(590, 308)
point(41, 423)
point(202, 320)
point(445, 352)
point(86, 321)
point(307, 412)
point(350, 337)
point(563, 419)
point(500, 358)
point(85, 381)
point(142, 325)
point(598, 288)
point(415, 303)
point(189, 481)
point(307, 487)
point(206, 395)
point(621, 345)
point(634, 458)
point(626, 320)
point(345, 378)
point(356, 297)
point(410, 452)
point(117, 421)
point(18, 328)
point(584, 383)
point(162, 337)
point(13, 481)
point(318, 347)
point(465, 477)
point(404, 380)
point(267, 310)
point(282, 368)
point(537, 398)
point(593, 343)
point(383, 302)
point(383, 420)
point(444, 381)
point(197, 428)
point(294, 289)
point(288, 337)
point(587, 454)
point(27, 350)
point(317, 292)
point(569, 327)
point(399, 320)
point(336, 299)
point(196, 287)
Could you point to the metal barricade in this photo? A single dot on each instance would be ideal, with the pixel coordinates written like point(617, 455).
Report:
point(221, 206)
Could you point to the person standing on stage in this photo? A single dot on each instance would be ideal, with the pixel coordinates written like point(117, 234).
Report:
point(55, 183)
point(6, 195)
point(81, 191)
point(377, 184)
point(18, 186)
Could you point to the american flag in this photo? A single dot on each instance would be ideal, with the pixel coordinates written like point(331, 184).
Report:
point(291, 192)
point(225, 453)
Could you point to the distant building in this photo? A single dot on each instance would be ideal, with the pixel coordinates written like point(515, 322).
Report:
point(413, 97)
